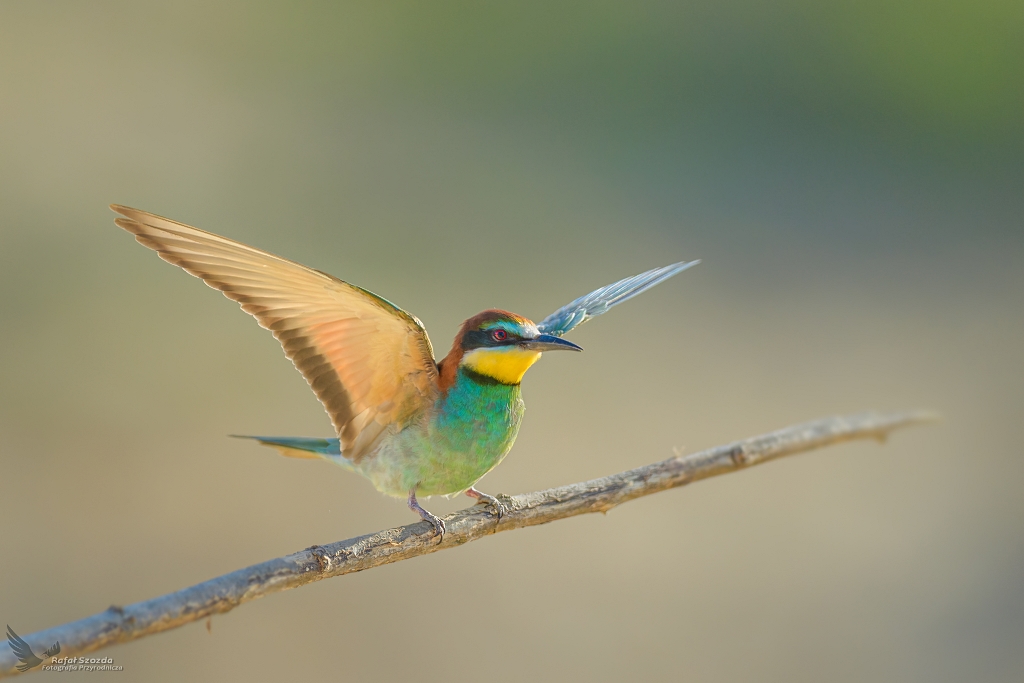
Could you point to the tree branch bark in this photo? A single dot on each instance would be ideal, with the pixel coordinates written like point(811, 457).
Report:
point(222, 594)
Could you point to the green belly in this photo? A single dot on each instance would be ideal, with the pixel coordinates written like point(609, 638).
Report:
point(467, 433)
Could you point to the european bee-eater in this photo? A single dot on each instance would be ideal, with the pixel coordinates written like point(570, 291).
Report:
point(410, 424)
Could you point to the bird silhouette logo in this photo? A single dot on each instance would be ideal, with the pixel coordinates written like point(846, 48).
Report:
point(24, 653)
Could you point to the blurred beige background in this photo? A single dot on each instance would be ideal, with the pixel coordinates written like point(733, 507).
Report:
point(851, 174)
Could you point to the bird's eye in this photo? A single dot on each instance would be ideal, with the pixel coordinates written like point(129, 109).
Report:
point(499, 335)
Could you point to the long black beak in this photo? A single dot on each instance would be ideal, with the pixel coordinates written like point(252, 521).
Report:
point(549, 342)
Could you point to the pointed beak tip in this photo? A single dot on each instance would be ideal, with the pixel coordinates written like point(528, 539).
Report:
point(549, 342)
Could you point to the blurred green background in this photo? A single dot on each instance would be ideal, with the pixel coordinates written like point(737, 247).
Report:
point(852, 175)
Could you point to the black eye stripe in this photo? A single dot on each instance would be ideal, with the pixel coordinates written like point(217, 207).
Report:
point(476, 339)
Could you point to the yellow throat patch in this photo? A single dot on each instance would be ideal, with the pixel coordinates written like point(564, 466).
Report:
point(506, 364)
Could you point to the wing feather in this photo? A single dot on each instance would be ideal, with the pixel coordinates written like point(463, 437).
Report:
point(369, 362)
point(21, 649)
point(600, 300)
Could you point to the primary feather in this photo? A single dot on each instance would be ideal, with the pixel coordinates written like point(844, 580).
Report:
point(369, 362)
point(600, 300)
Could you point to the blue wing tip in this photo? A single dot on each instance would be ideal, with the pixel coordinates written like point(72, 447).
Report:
point(683, 265)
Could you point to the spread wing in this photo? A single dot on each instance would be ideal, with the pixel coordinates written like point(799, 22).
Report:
point(600, 300)
point(369, 362)
point(22, 650)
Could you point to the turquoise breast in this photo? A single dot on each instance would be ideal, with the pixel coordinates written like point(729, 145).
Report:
point(468, 432)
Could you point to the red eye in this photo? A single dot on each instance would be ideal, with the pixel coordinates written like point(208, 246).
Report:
point(499, 335)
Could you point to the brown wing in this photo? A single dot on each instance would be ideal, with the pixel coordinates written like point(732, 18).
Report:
point(369, 362)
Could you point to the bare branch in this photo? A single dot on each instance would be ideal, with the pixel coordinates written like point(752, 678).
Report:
point(224, 593)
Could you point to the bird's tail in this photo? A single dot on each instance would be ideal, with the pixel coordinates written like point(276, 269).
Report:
point(303, 447)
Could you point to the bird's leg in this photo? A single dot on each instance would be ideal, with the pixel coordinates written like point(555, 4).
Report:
point(499, 507)
point(433, 519)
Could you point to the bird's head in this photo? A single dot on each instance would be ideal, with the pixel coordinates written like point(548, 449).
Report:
point(500, 346)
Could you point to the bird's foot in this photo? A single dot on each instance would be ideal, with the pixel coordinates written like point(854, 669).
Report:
point(500, 509)
point(438, 524)
point(434, 520)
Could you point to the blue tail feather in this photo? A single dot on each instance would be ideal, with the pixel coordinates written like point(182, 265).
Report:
point(328, 447)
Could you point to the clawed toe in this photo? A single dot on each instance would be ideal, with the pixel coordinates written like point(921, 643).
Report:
point(500, 509)
point(438, 524)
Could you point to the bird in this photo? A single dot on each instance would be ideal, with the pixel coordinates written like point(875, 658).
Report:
point(25, 654)
point(412, 425)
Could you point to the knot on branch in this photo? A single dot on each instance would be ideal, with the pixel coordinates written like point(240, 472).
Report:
point(739, 456)
point(120, 620)
point(323, 559)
